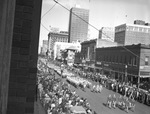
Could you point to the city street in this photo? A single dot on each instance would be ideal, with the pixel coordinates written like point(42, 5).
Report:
point(97, 100)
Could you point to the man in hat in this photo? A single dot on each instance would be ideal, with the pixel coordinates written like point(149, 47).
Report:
point(62, 68)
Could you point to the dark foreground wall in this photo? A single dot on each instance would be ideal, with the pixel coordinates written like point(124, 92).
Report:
point(19, 38)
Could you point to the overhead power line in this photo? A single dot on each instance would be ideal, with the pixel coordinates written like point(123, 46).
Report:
point(45, 15)
point(48, 11)
point(97, 29)
point(45, 27)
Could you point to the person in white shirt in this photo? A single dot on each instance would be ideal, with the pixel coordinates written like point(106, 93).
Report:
point(100, 88)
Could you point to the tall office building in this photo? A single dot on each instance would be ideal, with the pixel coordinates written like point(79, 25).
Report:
point(128, 34)
point(107, 33)
point(78, 28)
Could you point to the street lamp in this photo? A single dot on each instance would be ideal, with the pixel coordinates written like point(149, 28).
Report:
point(102, 65)
point(126, 73)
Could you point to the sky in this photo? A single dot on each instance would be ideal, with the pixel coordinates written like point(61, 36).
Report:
point(102, 13)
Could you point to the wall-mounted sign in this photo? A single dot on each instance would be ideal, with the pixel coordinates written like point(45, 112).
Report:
point(141, 67)
point(106, 64)
point(99, 63)
point(83, 61)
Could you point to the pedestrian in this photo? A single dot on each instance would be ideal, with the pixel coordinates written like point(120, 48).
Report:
point(100, 88)
point(97, 88)
point(114, 101)
point(93, 89)
point(109, 101)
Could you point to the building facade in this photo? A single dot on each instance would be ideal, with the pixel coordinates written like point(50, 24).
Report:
point(19, 39)
point(88, 51)
point(128, 34)
point(124, 65)
point(44, 47)
point(56, 37)
point(78, 24)
point(61, 46)
point(107, 33)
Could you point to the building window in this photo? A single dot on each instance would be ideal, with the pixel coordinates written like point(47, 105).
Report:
point(146, 60)
point(113, 58)
point(105, 58)
point(135, 61)
point(130, 61)
point(140, 30)
point(136, 29)
point(110, 58)
point(125, 60)
point(120, 59)
point(117, 59)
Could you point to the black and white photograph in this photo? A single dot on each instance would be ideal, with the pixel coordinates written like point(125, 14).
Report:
point(74, 56)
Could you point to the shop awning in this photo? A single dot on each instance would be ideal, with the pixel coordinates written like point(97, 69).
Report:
point(98, 68)
point(141, 76)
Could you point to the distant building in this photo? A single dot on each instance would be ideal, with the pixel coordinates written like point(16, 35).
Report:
point(44, 47)
point(147, 24)
point(107, 33)
point(61, 46)
point(139, 22)
point(115, 61)
point(78, 24)
point(53, 37)
point(128, 34)
point(88, 49)
point(106, 43)
point(54, 29)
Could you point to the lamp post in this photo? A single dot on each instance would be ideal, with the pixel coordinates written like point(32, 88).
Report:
point(126, 73)
point(83, 62)
point(102, 68)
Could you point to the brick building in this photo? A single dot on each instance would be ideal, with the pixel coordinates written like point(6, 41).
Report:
point(19, 39)
point(128, 34)
point(88, 51)
point(117, 61)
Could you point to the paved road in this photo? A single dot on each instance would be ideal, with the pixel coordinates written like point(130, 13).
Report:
point(97, 100)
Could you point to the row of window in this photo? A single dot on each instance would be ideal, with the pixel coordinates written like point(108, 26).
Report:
point(130, 60)
point(131, 28)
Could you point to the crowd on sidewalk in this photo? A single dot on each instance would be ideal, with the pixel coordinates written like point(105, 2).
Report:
point(56, 96)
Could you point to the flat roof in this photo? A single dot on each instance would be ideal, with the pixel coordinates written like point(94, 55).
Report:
point(133, 25)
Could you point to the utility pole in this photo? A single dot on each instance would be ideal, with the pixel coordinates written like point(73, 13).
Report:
point(138, 81)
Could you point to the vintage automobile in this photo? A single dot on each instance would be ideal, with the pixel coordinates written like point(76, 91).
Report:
point(78, 110)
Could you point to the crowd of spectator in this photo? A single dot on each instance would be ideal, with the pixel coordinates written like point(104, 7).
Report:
point(56, 96)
